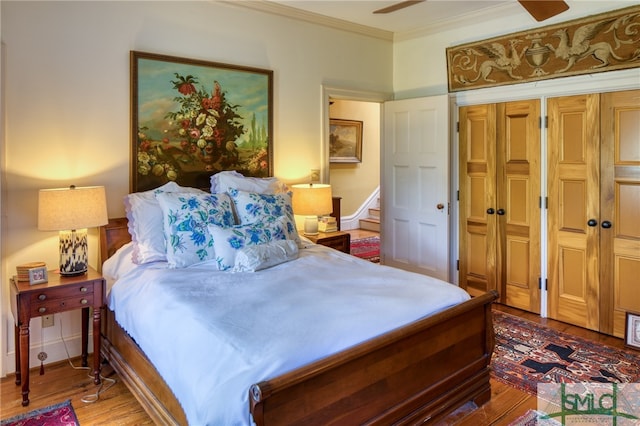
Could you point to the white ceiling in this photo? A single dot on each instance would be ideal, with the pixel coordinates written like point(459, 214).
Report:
point(429, 14)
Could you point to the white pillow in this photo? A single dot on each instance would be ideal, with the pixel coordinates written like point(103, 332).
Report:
point(229, 241)
point(186, 218)
point(262, 256)
point(223, 181)
point(146, 222)
point(119, 263)
point(253, 207)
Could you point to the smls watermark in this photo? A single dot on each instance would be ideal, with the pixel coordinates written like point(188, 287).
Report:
point(616, 404)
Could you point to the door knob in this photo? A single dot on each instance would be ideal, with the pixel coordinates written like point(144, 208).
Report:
point(592, 222)
point(490, 211)
point(500, 212)
point(440, 206)
point(606, 224)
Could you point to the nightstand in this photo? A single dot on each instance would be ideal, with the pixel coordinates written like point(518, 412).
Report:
point(60, 294)
point(336, 240)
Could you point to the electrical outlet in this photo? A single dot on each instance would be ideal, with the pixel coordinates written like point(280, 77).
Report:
point(47, 321)
point(315, 175)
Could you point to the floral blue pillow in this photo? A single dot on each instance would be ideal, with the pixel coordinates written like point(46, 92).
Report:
point(253, 207)
point(230, 241)
point(186, 218)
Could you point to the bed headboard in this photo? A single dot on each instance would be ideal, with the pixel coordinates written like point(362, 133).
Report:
point(113, 235)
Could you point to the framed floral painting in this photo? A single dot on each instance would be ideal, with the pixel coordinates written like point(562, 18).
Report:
point(194, 118)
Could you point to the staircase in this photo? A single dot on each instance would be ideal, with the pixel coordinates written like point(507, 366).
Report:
point(372, 221)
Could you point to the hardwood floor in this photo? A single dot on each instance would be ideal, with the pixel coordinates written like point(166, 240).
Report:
point(357, 234)
point(117, 406)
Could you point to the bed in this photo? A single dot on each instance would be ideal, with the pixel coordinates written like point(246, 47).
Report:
point(413, 372)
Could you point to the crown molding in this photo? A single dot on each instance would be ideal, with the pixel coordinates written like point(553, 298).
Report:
point(314, 18)
point(462, 21)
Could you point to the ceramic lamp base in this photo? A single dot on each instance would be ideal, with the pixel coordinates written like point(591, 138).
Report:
point(73, 252)
point(311, 225)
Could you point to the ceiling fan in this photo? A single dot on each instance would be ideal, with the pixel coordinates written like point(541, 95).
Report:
point(539, 9)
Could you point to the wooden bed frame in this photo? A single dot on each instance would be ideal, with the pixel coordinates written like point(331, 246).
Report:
point(416, 374)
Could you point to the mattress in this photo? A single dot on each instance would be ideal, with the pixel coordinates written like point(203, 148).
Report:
point(212, 334)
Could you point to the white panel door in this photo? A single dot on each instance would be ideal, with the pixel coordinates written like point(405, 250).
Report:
point(415, 181)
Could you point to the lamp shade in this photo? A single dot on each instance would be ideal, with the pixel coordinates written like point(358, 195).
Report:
point(72, 208)
point(312, 199)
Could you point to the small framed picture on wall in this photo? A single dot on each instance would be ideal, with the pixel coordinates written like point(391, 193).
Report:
point(632, 331)
point(345, 141)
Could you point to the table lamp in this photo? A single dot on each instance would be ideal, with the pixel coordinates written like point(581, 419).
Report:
point(311, 200)
point(71, 211)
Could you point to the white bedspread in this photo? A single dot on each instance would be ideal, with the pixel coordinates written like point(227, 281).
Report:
point(212, 334)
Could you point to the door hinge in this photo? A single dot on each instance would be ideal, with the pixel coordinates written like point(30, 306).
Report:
point(540, 283)
point(458, 195)
point(544, 205)
point(457, 265)
point(458, 126)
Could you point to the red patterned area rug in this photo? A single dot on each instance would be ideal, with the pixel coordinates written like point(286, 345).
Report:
point(367, 248)
point(527, 353)
point(56, 415)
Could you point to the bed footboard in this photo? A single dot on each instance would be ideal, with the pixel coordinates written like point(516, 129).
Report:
point(418, 373)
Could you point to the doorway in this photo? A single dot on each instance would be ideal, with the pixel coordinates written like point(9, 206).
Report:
point(356, 179)
point(352, 104)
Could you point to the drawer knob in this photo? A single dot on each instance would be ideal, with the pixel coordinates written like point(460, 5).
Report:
point(42, 297)
point(83, 289)
point(42, 310)
point(84, 301)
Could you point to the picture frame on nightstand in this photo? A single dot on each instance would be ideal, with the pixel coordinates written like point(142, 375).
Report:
point(38, 275)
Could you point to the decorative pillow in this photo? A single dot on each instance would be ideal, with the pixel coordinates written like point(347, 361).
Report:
point(223, 181)
point(228, 241)
point(253, 207)
point(186, 217)
point(145, 222)
point(262, 256)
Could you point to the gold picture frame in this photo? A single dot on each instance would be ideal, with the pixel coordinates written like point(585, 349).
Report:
point(345, 141)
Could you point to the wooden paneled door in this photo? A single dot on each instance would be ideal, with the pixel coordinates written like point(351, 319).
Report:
point(573, 209)
point(499, 201)
point(594, 197)
point(620, 206)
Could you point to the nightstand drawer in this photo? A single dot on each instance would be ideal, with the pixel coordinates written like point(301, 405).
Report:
point(60, 305)
point(338, 243)
point(335, 240)
point(61, 299)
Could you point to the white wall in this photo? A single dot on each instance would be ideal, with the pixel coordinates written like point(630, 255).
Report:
point(66, 97)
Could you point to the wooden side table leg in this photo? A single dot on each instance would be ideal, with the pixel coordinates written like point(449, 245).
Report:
point(17, 349)
point(96, 344)
point(85, 335)
point(24, 361)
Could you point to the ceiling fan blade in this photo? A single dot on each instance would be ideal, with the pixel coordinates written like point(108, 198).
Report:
point(544, 9)
point(398, 6)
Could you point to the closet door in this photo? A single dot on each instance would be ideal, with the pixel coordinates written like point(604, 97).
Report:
point(573, 209)
point(499, 194)
point(620, 204)
point(477, 199)
point(517, 205)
